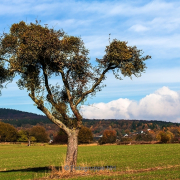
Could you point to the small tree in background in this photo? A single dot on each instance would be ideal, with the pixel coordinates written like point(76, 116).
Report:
point(25, 136)
point(109, 136)
point(85, 135)
point(39, 133)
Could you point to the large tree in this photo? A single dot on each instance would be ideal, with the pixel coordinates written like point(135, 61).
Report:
point(38, 53)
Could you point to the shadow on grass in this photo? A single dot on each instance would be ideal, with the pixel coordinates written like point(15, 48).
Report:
point(34, 169)
point(58, 168)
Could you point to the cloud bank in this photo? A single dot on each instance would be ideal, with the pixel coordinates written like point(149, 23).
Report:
point(163, 104)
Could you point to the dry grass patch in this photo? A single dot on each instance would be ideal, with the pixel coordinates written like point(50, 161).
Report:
point(63, 174)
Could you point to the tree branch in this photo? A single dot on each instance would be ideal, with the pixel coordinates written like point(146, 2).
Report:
point(5, 60)
point(48, 114)
point(95, 85)
point(66, 85)
point(51, 96)
point(70, 98)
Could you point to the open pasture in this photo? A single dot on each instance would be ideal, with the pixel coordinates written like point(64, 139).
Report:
point(156, 161)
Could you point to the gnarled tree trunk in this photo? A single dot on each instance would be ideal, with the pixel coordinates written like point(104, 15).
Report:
point(72, 149)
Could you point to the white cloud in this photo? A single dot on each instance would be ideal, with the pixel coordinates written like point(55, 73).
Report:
point(138, 28)
point(107, 110)
point(163, 104)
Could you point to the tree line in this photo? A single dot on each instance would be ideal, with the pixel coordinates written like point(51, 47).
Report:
point(165, 135)
point(9, 133)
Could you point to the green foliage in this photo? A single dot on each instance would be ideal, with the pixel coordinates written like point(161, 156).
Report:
point(22, 136)
point(139, 123)
point(33, 139)
point(25, 136)
point(8, 133)
point(85, 135)
point(126, 59)
point(39, 134)
point(133, 125)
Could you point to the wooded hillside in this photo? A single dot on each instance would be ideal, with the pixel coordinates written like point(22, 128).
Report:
point(122, 126)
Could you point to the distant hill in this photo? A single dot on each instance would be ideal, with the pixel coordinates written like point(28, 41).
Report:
point(16, 114)
point(17, 118)
point(24, 119)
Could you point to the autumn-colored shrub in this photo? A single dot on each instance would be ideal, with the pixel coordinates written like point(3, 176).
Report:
point(176, 133)
point(109, 136)
point(165, 137)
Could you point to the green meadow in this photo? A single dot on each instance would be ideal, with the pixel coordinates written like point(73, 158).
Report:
point(154, 161)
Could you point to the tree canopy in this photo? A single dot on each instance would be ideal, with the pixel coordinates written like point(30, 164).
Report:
point(37, 53)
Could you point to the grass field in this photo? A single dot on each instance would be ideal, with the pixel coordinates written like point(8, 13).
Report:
point(156, 161)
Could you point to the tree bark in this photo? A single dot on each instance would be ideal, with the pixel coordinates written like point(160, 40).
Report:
point(72, 149)
point(29, 142)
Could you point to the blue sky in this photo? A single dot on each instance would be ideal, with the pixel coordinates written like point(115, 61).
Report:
point(152, 26)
